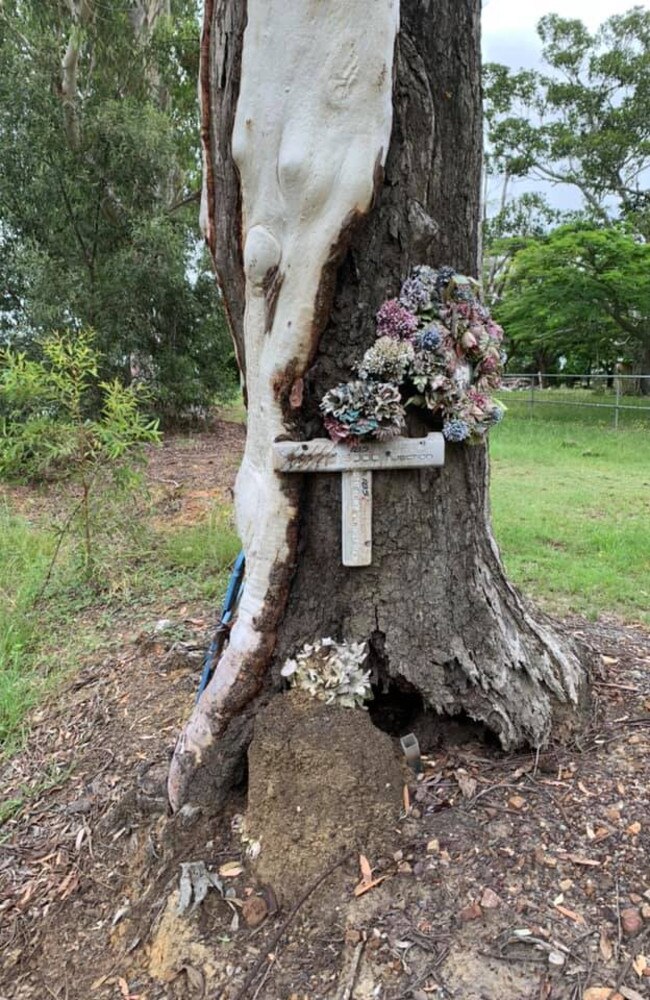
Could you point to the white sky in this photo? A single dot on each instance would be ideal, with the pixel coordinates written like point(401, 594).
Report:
point(509, 25)
point(509, 37)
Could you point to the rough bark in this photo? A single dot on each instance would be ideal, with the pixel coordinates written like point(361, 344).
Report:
point(435, 604)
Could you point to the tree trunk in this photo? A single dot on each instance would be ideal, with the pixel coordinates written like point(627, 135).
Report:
point(440, 616)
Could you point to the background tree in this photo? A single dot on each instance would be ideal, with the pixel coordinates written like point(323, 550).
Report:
point(581, 294)
point(584, 121)
point(57, 419)
point(99, 186)
point(518, 220)
point(313, 261)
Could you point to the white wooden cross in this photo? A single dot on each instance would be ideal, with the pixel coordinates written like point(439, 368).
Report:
point(356, 466)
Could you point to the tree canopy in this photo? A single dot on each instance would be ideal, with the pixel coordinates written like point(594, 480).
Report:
point(580, 292)
point(584, 120)
point(99, 188)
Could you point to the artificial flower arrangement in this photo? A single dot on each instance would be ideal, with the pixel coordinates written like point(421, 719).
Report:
point(332, 672)
point(437, 347)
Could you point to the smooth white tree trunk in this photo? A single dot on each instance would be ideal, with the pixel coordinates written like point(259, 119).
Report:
point(311, 132)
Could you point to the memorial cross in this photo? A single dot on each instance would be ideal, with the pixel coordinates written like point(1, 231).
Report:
point(356, 466)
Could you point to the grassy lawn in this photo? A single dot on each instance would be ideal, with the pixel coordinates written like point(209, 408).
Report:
point(578, 406)
point(571, 507)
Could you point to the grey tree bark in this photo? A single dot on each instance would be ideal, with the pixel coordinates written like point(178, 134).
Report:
point(441, 617)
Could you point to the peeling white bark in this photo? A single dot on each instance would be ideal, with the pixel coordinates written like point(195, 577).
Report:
point(313, 123)
point(81, 14)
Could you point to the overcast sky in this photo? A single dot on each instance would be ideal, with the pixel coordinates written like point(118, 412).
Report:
point(509, 25)
point(509, 37)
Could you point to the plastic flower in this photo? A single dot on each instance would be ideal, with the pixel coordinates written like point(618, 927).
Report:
point(332, 672)
point(429, 339)
point(497, 413)
point(363, 409)
point(449, 365)
point(443, 276)
point(387, 359)
point(415, 295)
point(456, 430)
point(394, 320)
point(336, 430)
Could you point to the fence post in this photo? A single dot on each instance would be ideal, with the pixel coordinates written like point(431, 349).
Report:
point(618, 403)
point(531, 402)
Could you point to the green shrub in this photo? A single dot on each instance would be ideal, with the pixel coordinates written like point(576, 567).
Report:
point(50, 429)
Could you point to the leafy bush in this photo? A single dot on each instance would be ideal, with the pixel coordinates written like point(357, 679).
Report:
point(48, 430)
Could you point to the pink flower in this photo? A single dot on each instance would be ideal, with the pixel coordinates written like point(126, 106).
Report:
point(495, 331)
point(336, 430)
point(394, 320)
point(489, 364)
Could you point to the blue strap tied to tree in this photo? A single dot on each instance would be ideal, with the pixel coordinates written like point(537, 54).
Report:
point(230, 603)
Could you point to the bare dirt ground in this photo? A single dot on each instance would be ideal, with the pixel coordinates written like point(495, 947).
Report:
point(502, 877)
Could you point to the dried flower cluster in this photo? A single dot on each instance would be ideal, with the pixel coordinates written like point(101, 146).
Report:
point(363, 408)
point(331, 671)
point(437, 347)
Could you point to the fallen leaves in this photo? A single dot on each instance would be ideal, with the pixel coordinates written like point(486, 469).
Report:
point(367, 881)
point(631, 921)
point(605, 945)
point(366, 870)
point(466, 783)
point(471, 912)
point(126, 992)
point(255, 911)
point(69, 885)
point(516, 802)
point(490, 900)
point(231, 869)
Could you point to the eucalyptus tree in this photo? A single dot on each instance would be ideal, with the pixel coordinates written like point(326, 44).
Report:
point(342, 148)
point(99, 183)
point(583, 119)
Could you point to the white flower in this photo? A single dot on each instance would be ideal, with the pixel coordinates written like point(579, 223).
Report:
point(331, 671)
point(289, 668)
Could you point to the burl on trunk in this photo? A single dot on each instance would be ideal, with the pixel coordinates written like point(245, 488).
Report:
point(342, 145)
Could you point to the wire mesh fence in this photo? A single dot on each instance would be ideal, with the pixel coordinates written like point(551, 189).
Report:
point(621, 395)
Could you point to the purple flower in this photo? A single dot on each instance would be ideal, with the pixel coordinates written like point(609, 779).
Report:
point(415, 294)
point(394, 320)
point(336, 430)
point(443, 277)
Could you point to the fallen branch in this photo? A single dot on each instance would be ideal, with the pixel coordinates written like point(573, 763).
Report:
point(351, 978)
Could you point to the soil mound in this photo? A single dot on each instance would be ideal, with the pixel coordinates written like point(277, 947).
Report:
point(322, 781)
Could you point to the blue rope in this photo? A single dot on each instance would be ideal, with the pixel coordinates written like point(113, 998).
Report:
point(230, 602)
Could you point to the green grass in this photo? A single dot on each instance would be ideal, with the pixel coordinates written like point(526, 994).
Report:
point(40, 644)
point(571, 511)
point(202, 553)
point(25, 554)
point(567, 406)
